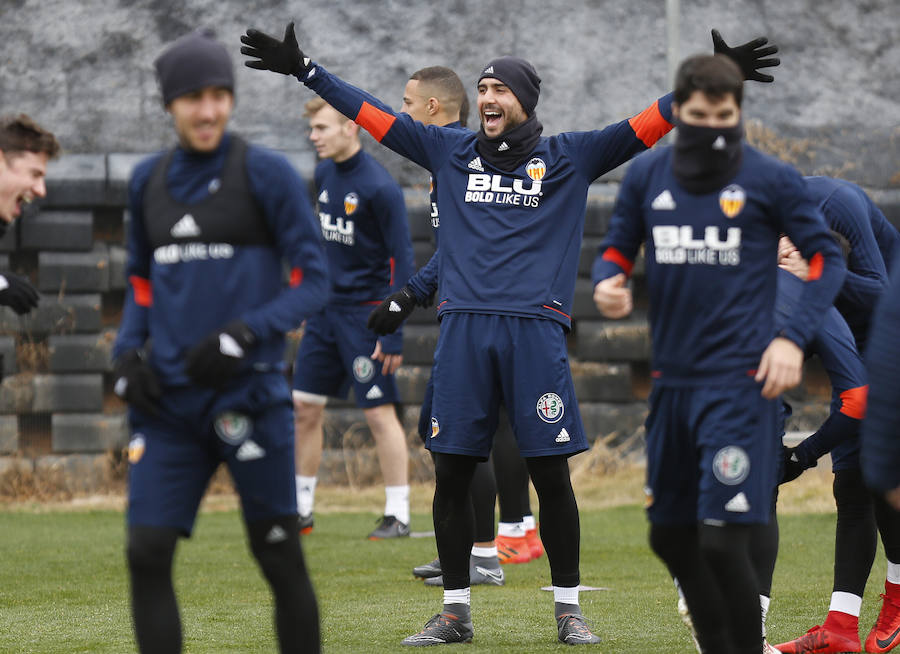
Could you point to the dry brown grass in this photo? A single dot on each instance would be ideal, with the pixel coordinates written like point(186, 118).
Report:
point(602, 478)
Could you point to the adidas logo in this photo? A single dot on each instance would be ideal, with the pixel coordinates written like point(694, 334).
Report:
point(503, 147)
point(276, 535)
point(374, 393)
point(663, 202)
point(488, 71)
point(323, 196)
point(738, 504)
point(185, 228)
point(563, 436)
point(394, 307)
point(719, 143)
point(475, 164)
point(249, 451)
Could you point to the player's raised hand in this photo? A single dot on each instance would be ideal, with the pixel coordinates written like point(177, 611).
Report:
point(268, 53)
point(612, 297)
point(780, 367)
point(750, 56)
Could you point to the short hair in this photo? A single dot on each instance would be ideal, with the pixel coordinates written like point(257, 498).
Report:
point(713, 75)
point(19, 133)
point(315, 105)
point(448, 88)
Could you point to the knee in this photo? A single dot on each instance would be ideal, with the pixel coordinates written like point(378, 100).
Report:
point(672, 543)
point(150, 549)
point(549, 474)
point(453, 473)
point(724, 543)
point(277, 558)
point(851, 497)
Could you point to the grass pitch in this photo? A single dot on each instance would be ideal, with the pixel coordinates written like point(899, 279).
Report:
point(63, 583)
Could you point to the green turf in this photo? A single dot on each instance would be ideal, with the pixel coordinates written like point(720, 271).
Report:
point(63, 587)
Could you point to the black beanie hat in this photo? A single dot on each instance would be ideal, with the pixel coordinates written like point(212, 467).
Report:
point(192, 62)
point(519, 76)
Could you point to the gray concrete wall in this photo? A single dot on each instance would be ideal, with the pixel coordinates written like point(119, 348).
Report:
point(86, 67)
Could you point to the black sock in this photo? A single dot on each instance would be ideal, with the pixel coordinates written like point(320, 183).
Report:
point(157, 625)
point(511, 474)
point(726, 549)
point(452, 514)
point(484, 496)
point(764, 552)
point(276, 545)
point(855, 537)
point(679, 549)
point(560, 526)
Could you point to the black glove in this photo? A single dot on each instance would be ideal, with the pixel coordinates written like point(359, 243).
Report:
point(215, 360)
point(749, 56)
point(390, 314)
point(791, 467)
point(136, 382)
point(17, 293)
point(283, 57)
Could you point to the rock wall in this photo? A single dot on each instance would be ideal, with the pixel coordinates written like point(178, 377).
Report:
point(86, 68)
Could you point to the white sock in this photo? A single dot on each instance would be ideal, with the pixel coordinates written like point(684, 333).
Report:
point(396, 502)
point(764, 603)
point(893, 573)
point(306, 494)
point(845, 603)
point(528, 523)
point(565, 595)
point(458, 596)
point(511, 529)
point(484, 552)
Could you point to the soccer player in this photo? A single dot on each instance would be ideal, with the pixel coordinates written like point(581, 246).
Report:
point(367, 241)
point(198, 355)
point(861, 516)
point(512, 209)
point(436, 96)
point(25, 150)
point(710, 210)
point(880, 455)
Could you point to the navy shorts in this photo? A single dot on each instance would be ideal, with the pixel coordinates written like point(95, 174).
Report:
point(173, 455)
point(482, 360)
point(334, 354)
point(712, 453)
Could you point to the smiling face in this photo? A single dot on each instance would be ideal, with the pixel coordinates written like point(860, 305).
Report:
point(200, 117)
point(21, 180)
point(498, 107)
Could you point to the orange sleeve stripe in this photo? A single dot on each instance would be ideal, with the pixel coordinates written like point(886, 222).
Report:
point(143, 291)
point(816, 265)
point(649, 125)
point(296, 277)
point(853, 402)
point(393, 263)
point(616, 257)
point(374, 120)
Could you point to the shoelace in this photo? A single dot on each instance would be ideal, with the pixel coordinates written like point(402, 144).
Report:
point(884, 619)
point(441, 620)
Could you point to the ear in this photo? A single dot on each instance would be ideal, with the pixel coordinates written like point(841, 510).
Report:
point(434, 106)
point(676, 110)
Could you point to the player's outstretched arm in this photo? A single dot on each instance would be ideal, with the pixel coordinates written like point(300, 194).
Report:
point(749, 56)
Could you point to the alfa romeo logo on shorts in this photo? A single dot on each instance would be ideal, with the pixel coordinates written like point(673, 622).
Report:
point(232, 427)
point(550, 407)
point(731, 465)
point(363, 369)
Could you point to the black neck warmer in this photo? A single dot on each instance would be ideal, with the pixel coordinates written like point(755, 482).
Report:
point(706, 158)
point(512, 147)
